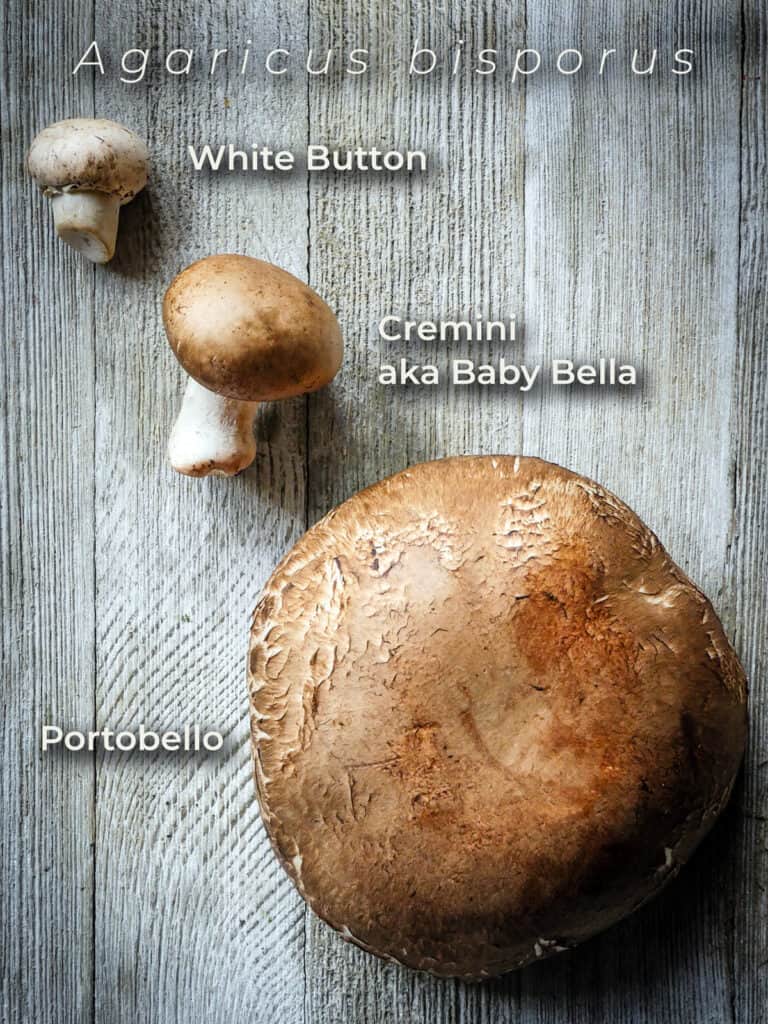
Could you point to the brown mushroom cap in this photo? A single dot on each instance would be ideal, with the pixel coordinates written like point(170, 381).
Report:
point(89, 155)
point(490, 715)
point(249, 330)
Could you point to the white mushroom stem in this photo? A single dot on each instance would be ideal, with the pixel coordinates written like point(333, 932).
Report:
point(88, 222)
point(213, 435)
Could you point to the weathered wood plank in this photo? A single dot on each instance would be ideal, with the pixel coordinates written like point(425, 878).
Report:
point(46, 533)
point(746, 895)
point(643, 233)
point(195, 920)
point(614, 215)
point(632, 251)
point(445, 245)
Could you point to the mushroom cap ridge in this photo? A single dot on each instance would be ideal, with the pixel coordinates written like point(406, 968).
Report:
point(490, 715)
point(89, 155)
point(249, 330)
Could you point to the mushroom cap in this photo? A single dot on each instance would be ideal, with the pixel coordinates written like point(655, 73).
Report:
point(249, 330)
point(89, 155)
point(490, 715)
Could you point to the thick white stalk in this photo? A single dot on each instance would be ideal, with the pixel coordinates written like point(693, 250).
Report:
point(88, 222)
point(212, 436)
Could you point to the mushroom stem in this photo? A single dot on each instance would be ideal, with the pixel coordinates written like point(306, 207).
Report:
point(212, 435)
point(88, 222)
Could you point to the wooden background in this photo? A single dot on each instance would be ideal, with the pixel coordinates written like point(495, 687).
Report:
point(616, 216)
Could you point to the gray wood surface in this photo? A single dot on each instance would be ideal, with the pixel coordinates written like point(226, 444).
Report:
point(47, 607)
point(616, 216)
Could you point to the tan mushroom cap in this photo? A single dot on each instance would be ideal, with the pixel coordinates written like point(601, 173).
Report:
point(251, 331)
point(490, 715)
point(89, 155)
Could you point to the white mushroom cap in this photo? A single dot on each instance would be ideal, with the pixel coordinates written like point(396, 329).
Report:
point(88, 168)
point(89, 155)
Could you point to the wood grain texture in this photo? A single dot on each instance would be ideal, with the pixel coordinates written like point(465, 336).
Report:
point(629, 249)
point(615, 215)
point(46, 593)
point(194, 920)
point(746, 896)
point(632, 193)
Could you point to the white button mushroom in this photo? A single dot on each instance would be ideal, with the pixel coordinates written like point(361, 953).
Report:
point(246, 332)
point(89, 168)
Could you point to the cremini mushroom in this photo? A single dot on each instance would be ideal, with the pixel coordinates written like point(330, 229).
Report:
point(246, 332)
point(490, 715)
point(89, 168)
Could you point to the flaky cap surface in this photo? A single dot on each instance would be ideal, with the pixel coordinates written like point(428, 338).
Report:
point(250, 330)
point(490, 715)
point(89, 155)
